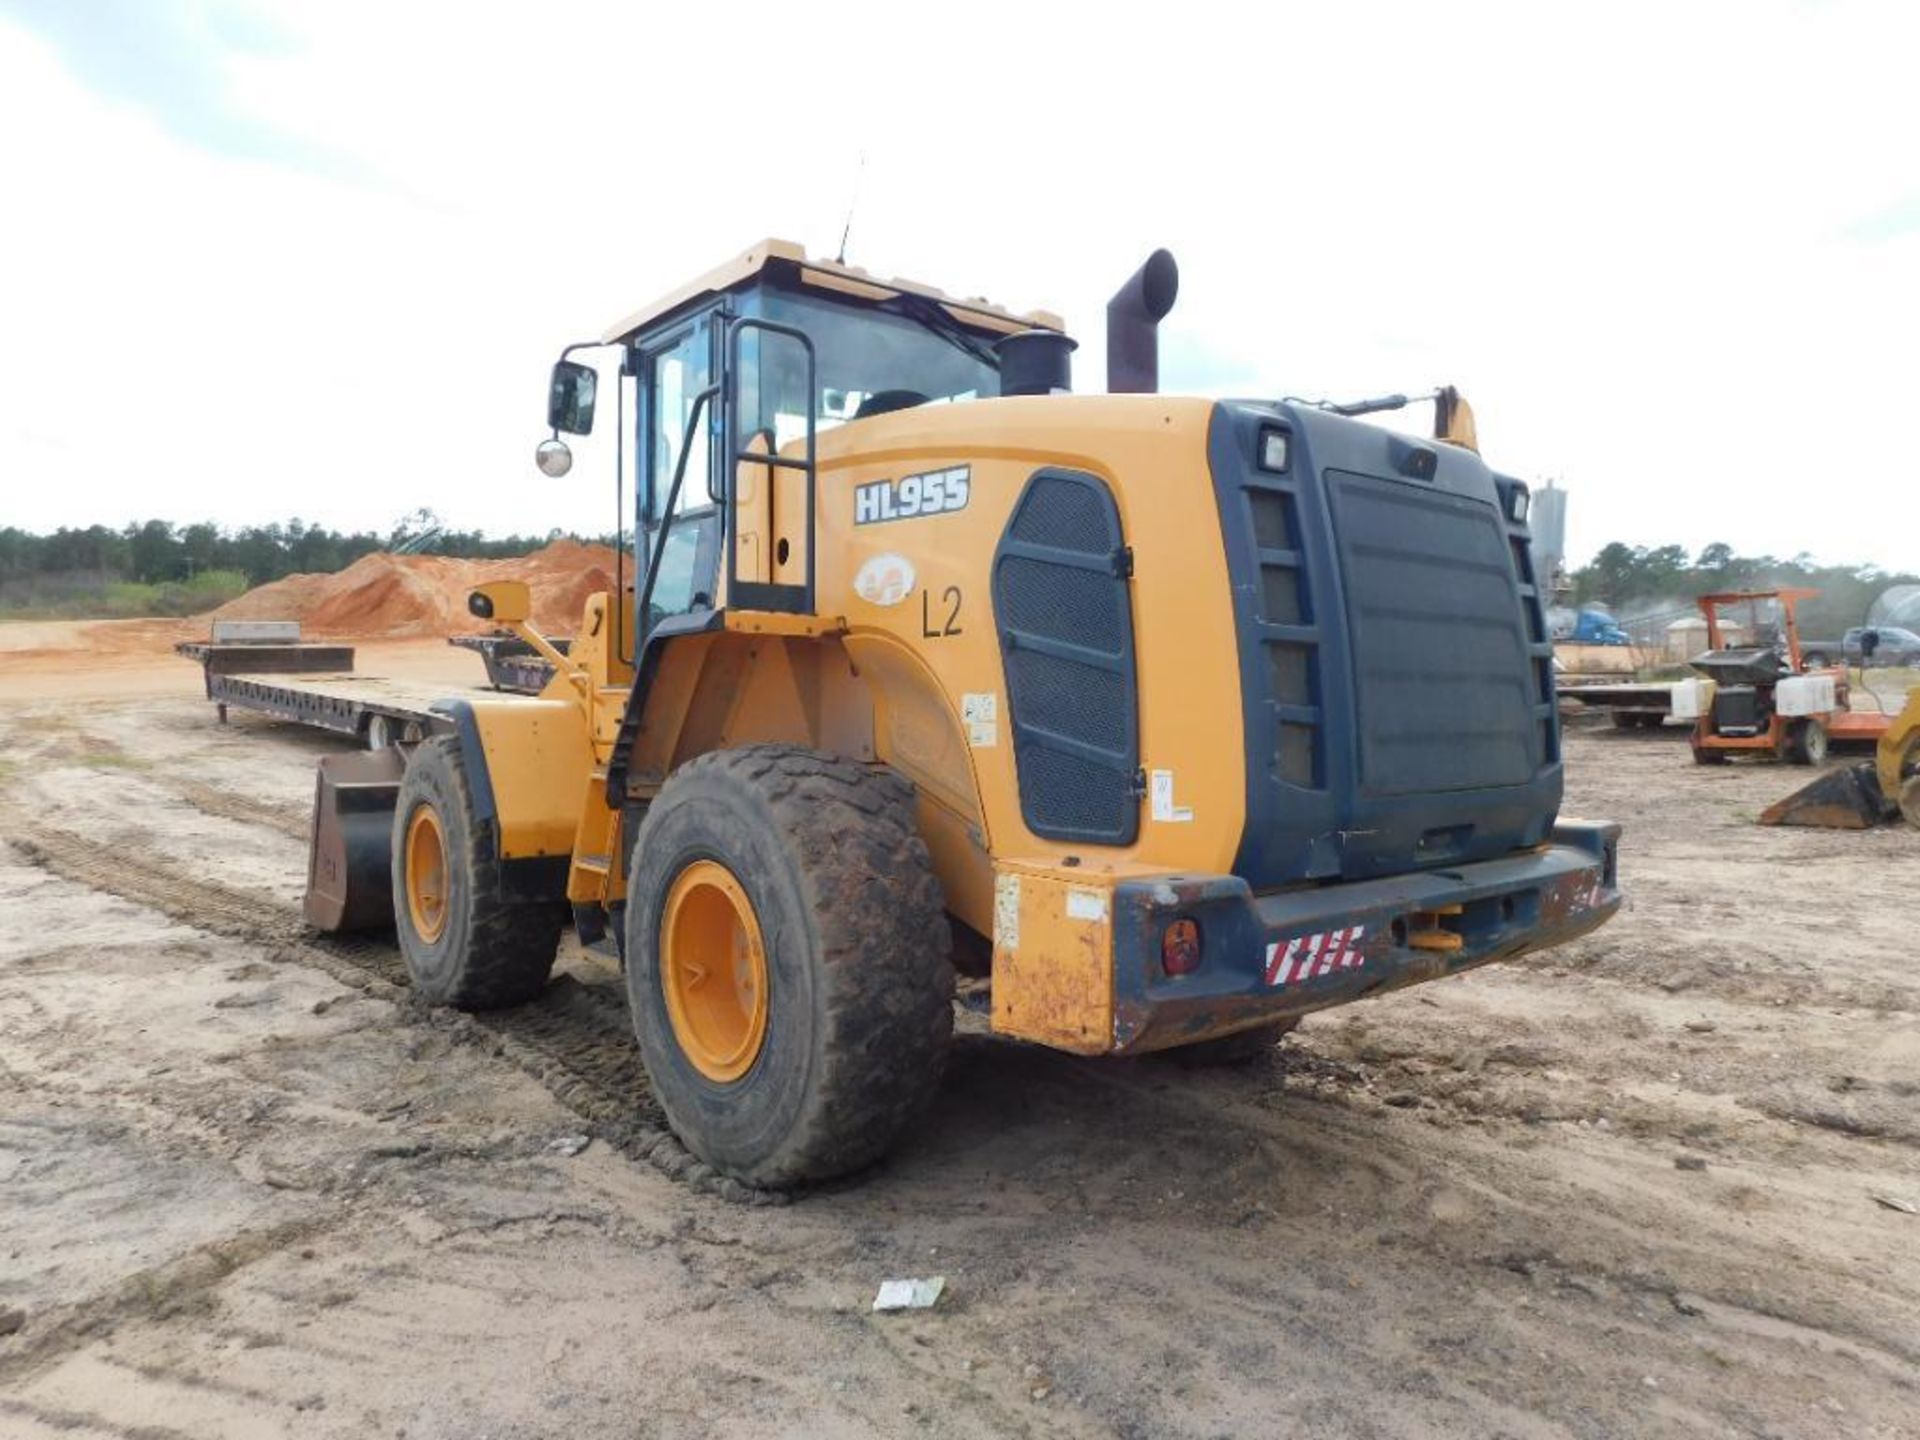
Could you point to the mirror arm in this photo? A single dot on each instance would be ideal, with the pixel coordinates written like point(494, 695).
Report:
point(666, 520)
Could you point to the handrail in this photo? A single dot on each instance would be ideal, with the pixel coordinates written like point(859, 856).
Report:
point(666, 520)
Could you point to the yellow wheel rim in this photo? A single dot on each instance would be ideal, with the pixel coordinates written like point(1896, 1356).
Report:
point(427, 874)
point(713, 969)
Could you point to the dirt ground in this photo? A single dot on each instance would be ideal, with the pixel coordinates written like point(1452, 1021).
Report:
point(1649, 1184)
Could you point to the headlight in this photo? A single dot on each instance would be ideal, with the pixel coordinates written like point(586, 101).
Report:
point(1518, 503)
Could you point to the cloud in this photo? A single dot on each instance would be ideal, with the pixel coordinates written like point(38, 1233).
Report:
point(1631, 235)
point(1893, 222)
point(174, 59)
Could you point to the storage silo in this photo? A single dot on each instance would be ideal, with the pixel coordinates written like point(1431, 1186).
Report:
point(1549, 524)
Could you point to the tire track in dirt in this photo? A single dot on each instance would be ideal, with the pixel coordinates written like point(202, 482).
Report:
point(226, 805)
point(174, 1287)
point(574, 1039)
point(1622, 1247)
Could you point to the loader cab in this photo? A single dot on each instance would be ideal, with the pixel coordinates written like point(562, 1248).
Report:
point(734, 378)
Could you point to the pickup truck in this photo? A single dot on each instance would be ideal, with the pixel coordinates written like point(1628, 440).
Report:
point(1891, 646)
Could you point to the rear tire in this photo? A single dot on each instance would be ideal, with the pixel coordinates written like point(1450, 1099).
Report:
point(1807, 742)
point(836, 1023)
point(1910, 800)
point(1240, 1048)
point(464, 946)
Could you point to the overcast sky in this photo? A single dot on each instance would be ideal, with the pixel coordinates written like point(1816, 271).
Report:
point(266, 259)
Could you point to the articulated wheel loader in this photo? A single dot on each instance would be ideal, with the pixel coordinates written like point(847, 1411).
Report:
point(1171, 719)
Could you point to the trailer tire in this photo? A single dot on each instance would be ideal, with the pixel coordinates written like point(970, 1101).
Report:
point(1240, 1048)
point(1807, 742)
point(822, 1031)
point(464, 945)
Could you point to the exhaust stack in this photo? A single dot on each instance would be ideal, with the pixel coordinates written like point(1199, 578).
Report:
point(1133, 319)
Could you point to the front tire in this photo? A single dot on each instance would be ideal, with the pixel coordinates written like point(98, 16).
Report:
point(787, 962)
point(464, 946)
point(1807, 742)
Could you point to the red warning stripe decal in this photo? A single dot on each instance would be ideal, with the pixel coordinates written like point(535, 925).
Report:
point(1306, 957)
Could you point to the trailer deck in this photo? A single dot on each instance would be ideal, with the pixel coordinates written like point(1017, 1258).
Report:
point(1635, 704)
point(264, 667)
point(368, 707)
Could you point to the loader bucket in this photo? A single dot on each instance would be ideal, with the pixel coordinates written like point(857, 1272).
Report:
point(350, 850)
point(1845, 799)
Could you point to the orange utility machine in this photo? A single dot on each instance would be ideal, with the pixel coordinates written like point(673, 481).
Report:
point(1759, 698)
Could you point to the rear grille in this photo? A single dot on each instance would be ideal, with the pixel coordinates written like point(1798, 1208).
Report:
point(1441, 663)
point(1066, 635)
point(1396, 678)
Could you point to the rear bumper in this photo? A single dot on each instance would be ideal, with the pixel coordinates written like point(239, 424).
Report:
point(1284, 954)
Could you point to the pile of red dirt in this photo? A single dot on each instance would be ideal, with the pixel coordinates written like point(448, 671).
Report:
point(385, 595)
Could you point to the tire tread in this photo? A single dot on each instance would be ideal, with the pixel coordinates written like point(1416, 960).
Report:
point(884, 948)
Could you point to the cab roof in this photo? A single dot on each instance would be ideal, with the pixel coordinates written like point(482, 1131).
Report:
point(789, 257)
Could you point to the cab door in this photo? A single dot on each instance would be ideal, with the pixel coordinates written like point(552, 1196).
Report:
point(674, 369)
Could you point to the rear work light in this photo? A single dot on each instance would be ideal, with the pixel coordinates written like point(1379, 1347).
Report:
point(1180, 947)
point(1274, 447)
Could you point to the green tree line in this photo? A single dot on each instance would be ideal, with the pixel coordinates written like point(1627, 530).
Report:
point(158, 567)
point(1635, 579)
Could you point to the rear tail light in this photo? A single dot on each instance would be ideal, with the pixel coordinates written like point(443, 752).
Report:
point(1180, 947)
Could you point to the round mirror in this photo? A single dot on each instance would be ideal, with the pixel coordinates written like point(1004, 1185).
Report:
point(553, 457)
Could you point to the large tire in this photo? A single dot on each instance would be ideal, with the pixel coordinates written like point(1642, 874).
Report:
point(1240, 1048)
point(839, 1008)
point(1807, 742)
point(466, 947)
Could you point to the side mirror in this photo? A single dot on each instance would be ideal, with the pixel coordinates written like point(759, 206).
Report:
point(570, 397)
point(505, 602)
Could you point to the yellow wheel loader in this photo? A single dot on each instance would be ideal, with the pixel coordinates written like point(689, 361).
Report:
point(1171, 719)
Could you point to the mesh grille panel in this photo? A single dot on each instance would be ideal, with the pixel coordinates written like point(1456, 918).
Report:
point(1069, 698)
point(1273, 527)
point(1279, 595)
point(1291, 685)
point(1066, 635)
point(1073, 794)
point(1065, 516)
point(1062, 601)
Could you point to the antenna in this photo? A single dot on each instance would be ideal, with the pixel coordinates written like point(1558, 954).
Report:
point(847, 229)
